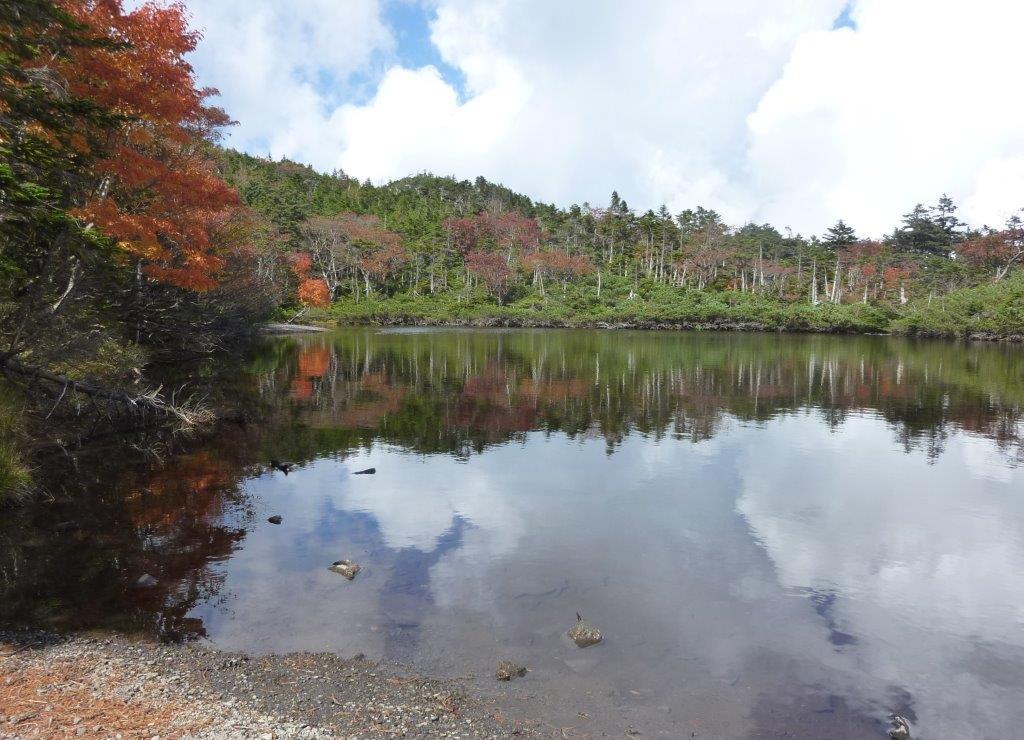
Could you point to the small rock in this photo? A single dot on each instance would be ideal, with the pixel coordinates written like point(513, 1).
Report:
point(507, 670)
point(66, 526)
point(276, 519)
point(583, 633)
point(900, 728)
point(284, 467)
point(368, 471)
point(146, 581)
point(345, 568)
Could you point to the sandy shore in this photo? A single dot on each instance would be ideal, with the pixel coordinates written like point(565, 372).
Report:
point(107, 686)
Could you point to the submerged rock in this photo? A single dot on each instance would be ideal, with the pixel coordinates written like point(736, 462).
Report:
point(284, 467)
point(368, 471)
point(900, 728)
point(276, 519)
point(145, 581)
point(584, 634)
point(507, 670)
point(345, 568)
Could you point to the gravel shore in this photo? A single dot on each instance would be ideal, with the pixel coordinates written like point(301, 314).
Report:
point(55, 686)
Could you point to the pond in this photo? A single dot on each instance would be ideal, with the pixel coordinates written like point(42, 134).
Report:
point(775, 534)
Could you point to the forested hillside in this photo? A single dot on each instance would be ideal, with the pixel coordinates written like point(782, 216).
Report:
point(435, 249)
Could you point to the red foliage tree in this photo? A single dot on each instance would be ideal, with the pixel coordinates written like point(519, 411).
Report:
point(515, 233)
point(557, 265)
point(155, 195)
point(997, 251)
point(466, 233)
point(494, 270)
point(314, 292)
point(384, 262)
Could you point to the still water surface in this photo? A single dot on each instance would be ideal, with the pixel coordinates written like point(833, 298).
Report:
point(776, 534)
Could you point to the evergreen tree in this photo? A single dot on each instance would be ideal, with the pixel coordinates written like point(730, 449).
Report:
point(921, 233)
point(944, 215)
point(840, 235)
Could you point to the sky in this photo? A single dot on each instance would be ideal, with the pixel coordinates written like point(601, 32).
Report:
point(793, 112)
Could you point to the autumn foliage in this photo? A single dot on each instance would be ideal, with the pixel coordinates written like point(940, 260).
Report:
point(312, 291)
point(153, 192)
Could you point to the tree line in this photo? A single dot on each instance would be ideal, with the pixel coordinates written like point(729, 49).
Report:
point(425, 235)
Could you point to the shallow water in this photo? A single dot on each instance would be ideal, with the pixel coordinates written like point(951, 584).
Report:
point(776, 534)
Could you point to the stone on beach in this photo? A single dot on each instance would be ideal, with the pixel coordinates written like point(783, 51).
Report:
point(507, 670)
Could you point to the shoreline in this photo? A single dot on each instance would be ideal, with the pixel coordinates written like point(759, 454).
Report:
point(112, 686)
point(496, 322)
point(277, 328)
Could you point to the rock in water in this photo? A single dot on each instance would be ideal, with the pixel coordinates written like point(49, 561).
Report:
point(584, 634)
point(145, 581)
point(900, 729)
point(507, 670)
point(368, 471)
point(276, 519)
point(284, 467)
point(346, 568)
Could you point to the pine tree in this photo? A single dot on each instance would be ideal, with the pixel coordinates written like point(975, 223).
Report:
point(840, 235)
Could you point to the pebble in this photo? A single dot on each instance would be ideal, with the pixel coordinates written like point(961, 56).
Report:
point(249, 700)
point(507, 670)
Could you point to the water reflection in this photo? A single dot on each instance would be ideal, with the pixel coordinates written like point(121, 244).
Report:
point(776, 534)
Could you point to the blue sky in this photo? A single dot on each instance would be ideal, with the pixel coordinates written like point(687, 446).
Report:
point(410, 24)
point(798, 112)
point(845, 18)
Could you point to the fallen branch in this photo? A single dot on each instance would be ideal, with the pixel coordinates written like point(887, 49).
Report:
point(151, 402)
point(301, 312)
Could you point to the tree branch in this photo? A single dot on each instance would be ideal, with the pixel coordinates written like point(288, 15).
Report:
point(151, 402)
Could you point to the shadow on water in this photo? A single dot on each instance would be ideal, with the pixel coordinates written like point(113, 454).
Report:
point(780, 535)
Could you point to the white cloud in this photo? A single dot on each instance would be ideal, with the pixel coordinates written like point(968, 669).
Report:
point(862, 124)
point(271, 61)
point(758, 109)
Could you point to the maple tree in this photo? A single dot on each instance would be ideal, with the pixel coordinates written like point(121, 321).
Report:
point(312, 291)
point(154, 191)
